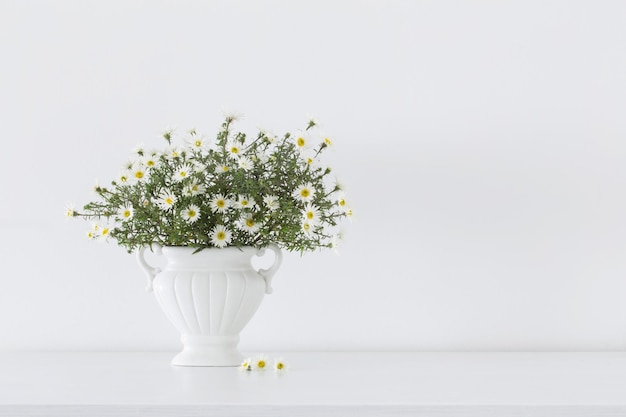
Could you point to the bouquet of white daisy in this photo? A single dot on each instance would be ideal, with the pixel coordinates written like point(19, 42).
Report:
point(231, 191)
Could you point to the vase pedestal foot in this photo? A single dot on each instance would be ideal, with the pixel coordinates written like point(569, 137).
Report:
point(209, 351)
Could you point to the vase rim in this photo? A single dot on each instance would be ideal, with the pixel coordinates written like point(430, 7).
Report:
point(210, 248)
point(229, 250)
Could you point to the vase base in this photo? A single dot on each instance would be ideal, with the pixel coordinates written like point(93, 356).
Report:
point(207, 359)
point(209, 351)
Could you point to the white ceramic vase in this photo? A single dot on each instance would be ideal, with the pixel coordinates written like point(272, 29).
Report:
point(209, 296)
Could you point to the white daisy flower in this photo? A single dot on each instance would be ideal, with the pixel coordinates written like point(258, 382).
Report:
point(173, 152)
point(280, 365)
point(307, 228)
point(166, 200)
point(244, 202)
point(191, 213)
point(194, 189)
point(182, 173)
point(312, 121)
point(219, 204)
point(246, 365)
point(301, 140)
point(244, 163)
point(91, 234)
point(220, 236)
point(304, 192)
point(327, 141)
point(129, 165)
point(124, 177)
point(198, 166)
point(103, 231)
point(271, 202)
point(97, 188)
point(232, 115)
point(196, 141)
point(69, 210)
point(138, 172)
point(341, 202)
point(311, 214)
point(139, 149)
point(168, 133)
point(335, 241)
point(339, 185)
point(310, 158)
point(349, 214)
point(260, 362)
point(261, 158)
point(221, 168)
point(125, 212)
point(270, 137)
point(248, 224)
point(234, 149)
point(149, 161)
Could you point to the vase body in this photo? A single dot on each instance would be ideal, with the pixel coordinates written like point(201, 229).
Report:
point(210, 296)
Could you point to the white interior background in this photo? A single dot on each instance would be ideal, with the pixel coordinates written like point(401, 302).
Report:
point(482, 143)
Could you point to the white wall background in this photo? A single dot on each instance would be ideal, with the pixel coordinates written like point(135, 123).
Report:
point(483, 144)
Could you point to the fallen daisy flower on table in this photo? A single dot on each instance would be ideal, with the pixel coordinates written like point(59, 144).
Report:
point(280, 365)
point(260, 362)
point(246, 365)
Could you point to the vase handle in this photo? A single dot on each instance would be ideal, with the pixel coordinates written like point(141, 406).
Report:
point(268, 274)
point(150, 271)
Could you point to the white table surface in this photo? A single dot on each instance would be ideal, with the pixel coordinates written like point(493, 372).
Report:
point(317, 384)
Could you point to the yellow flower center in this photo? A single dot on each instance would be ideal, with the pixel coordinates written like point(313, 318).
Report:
point(342, 202)
point(139, 174)
point(126, 213)
point(150, 163)
point(198, 143)
point(280, 365)
point(261, 364)
point(310, 215)
point(234, 150)
point(305, 192)
point(221, 235)
point(306, 226)
point(183, 173)
point(300, 142)
point(169, 201)
point(328, 142)
point(191, 213)
point(224, 168)
point(244, 202)
point(105, 231)
point(249, 222)
point(220, 203)
point(123, 178)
